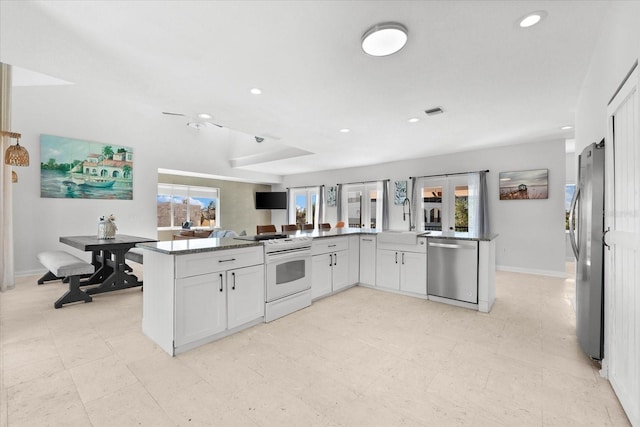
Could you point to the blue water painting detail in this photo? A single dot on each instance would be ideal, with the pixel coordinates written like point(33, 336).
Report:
point(77, 169)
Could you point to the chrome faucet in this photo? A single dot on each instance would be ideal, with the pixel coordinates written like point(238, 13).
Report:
point(404, 214)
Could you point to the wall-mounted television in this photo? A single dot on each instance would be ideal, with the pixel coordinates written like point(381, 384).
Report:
point(271, 200)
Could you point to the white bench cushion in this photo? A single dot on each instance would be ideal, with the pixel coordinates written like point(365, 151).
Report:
point(63, 264)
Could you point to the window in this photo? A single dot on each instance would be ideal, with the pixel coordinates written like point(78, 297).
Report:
point(303, 206)
point(177, 204)
point(363, 205)
point(444, 204)
point(569, 190)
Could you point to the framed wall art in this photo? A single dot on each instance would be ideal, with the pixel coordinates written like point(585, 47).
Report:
point(400, 192)
point(331, 196)
point(519, 185)
point(77, 169)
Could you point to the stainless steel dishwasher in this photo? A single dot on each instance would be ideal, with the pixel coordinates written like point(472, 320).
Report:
point(452, 269)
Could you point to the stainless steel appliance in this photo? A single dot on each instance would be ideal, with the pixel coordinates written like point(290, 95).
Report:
point(288, 276)
point(452, 269)
point(586, 224)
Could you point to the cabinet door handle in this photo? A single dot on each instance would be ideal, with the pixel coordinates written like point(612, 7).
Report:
point(396, 257)
point(402, 258)
point(331, 246)
point(330, 260)
point(335, 259)
point(367, 240)
point(220, 282)
point(233, 275)
point(226, 260)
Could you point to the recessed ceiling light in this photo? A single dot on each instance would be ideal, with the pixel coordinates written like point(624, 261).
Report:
point(204, 116)
point(345, 130)
point(532, 19)
point(384, 39)
point(413, 120)
point(256, 91)
point(566, 127)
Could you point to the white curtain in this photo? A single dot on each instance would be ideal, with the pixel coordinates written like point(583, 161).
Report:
point(414, 201)
point(339, 205)
point(478, 204)
point(385, 204)
point(6, 201)
point(320, 206)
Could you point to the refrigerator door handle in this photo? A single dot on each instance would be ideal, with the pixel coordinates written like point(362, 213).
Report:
point(604, 240)
point(572, 231)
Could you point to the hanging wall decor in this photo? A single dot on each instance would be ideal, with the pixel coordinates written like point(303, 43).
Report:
point(331, 196)
point(400, 193)
point(73, 168)
point(530, 184)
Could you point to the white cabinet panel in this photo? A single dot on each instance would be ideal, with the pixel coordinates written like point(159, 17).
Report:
point(413, 272)
point(368, 260)
point(340, 270)
point(388, 270)
point(201, 307)
point(245, 295)
point(321, 266)
point(354, 257)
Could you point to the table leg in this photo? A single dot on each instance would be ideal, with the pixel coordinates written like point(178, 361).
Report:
point(118, 277)
point(74, 293)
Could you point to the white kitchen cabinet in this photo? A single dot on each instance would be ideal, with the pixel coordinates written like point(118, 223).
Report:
point(201, 307)
point(402, 267)
point(354, 260)
point(245, 295)
point(368, 260)
point(183, 310)
point(388, 269)
point(329, 266)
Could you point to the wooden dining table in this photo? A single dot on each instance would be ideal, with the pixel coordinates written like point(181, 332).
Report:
point(108, 257)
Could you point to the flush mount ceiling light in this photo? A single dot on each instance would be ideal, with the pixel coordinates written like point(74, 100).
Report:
point(566, 127)
point(204, 116)
point(531, 19)
point(413, 120)
point(345, 130)
point(384, 39)
point(256, 91)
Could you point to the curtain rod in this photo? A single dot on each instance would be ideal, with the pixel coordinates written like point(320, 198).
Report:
point(364, 182)
point(448, 174)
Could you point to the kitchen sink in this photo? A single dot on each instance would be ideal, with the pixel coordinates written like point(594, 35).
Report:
point(399, 236)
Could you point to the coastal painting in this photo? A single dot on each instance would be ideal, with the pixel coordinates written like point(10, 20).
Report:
point(77, 169)
point(530, 184)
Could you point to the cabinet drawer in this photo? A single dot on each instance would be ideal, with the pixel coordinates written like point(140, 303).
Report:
point(324, 246)
point(210, 262)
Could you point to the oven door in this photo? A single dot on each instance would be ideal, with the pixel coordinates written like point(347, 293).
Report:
point(287, 273)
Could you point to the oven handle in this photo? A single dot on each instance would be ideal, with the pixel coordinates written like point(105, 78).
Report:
point(283, 256)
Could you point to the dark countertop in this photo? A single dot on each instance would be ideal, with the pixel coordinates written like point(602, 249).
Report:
point(192, 246)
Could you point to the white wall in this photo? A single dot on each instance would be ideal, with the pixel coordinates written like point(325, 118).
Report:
point(74, 112)
point(531, 231)
point(617, 49)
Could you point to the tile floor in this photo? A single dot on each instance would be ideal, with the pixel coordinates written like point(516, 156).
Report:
point(362, 357)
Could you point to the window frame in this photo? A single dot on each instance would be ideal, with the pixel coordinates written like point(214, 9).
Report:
point(189, 192)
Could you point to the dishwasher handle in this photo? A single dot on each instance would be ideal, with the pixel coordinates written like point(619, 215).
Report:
point(450, 246)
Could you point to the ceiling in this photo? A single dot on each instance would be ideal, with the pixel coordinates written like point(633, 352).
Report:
point(497, 83)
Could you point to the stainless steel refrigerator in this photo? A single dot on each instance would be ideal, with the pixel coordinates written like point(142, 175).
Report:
point(586, 225)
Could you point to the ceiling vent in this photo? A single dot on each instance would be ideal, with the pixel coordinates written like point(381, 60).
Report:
point(434, 111)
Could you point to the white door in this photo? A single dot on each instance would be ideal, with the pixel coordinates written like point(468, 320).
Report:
point(321, 275)
point(201, 307)
point(245, 295)
point(340, 270)
point(364, 205)
point(388, 269)
point(413, 272)
point(622, 259)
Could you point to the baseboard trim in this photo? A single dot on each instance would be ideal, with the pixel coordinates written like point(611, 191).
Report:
point(560, 274)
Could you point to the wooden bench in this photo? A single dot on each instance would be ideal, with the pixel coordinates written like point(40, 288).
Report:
point(64, 265)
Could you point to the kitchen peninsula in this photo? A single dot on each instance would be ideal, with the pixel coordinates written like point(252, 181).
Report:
point(201, 290)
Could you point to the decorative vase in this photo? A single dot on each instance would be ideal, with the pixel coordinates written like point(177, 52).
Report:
point(107, 228)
